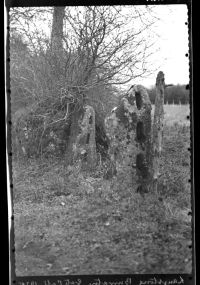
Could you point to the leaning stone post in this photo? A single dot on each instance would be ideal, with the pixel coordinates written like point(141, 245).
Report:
point(158, 127)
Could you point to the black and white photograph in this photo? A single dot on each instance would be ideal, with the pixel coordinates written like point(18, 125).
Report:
point(101, 134)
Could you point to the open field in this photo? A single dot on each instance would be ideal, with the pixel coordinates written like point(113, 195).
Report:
point(176, 114)
point(76, 223)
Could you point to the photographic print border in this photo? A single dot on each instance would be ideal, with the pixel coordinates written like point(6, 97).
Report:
point(125, 279)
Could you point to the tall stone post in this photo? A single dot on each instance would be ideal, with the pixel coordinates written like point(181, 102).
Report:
point(143, 139)
point(158, 127)
point(85, 145)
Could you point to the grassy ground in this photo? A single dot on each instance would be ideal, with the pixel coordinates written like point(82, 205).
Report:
point(176, 114)
point(73, 223)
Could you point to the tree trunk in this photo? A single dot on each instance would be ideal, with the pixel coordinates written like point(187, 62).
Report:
point(158, 127)
point(57, 30)
point(56, 52)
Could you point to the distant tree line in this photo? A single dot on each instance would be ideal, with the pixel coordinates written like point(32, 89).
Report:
point(177, 94)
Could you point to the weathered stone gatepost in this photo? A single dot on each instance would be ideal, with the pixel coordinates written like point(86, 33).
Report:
point(85, 145)
point(129, 131)
point(143, 139)
point(158, 127)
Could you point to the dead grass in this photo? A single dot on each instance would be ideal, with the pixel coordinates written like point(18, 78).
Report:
point(67, 222)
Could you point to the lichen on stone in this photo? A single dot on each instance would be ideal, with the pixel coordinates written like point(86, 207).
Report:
point(129, 130)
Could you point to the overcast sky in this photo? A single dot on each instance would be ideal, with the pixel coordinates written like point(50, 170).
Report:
point(173, 43)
